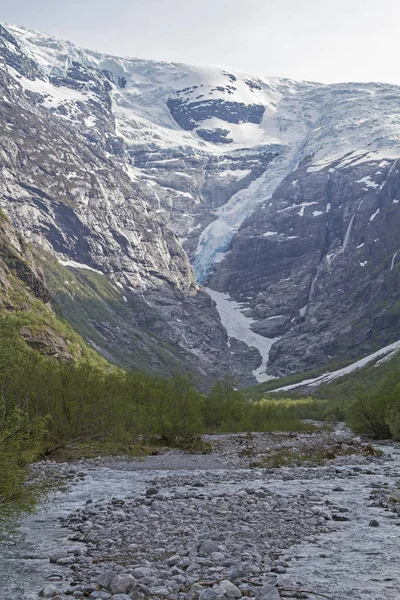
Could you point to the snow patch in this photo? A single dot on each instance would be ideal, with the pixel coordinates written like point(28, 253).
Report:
point(372, 217)
point(76, 265)
point(368, 182)
point(238, 325)
point(327, 377)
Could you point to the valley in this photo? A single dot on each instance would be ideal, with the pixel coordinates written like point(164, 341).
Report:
point(199, 330)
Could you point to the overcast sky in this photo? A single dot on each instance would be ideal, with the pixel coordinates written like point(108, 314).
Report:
point(319, 40)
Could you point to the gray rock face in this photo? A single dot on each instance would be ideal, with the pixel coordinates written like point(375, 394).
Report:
point(325, 275)
point(72, 202)
point(189, 115)
point(283, 194)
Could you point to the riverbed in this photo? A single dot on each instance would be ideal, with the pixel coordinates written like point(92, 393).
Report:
point(180, 524)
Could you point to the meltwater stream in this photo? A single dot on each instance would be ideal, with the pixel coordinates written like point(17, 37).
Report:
point(355, 562)
point(25, 565)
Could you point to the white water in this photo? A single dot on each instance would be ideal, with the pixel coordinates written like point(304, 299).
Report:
point(357, 561)
point(238, 325)
point(393, 260)
point(24, 566)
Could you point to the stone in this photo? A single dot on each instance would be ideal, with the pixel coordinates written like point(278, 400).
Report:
point(395, 496)
point(207, 594)
point(49, 591)
point(104, 580)
point(122, 583)
point(151, 491)
point(141, 572)
point(101, 595)
point(160, 591)
point(208, 547)
point(228, 589)
point(337, 517)
point(58, 555)
point(236, 573)
point(66, 561)
point(268, 592)
point(373, 523)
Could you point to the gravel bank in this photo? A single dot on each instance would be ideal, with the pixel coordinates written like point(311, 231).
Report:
point(207, 527)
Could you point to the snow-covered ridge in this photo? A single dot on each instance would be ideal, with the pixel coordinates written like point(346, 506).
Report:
point(380, 356)
point(199, 111)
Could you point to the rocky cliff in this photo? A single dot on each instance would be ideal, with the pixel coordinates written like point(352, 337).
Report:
point(135, 297)
point(282, 194)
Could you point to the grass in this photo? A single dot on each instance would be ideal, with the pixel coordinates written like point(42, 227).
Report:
point(312, 457)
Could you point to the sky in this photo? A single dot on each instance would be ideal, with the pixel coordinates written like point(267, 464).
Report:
point(316, 40)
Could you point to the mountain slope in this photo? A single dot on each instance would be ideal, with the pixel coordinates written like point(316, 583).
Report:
point(71, 200)
point(26, 314)
point(285, 195)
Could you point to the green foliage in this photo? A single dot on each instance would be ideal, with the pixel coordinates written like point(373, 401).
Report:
point(4, 216)
point(227, 409)
point(20, 439)
point(91, 303)
point(377, 411)
point(224, 407)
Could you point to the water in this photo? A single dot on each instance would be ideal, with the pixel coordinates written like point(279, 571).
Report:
point(356, 562)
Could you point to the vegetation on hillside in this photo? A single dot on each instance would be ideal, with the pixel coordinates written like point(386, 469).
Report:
point(368, 399)
point(67, 409)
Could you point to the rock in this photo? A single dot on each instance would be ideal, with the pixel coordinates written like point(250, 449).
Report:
point(105, 579)
point(207, 594)
point(228, 589)
point(101, 595)
point(217, 557)
point(141, 572)
point(122, 583)
point(337, 517)
point(268, 592)
point(236, 573)
point(88, 588)
point(65, 561)
point(49, 591)
point(278, 569)
point(160, 591)
point(373, 523)
point(208, 547)
point(395, 496)
point(58, 555)
point(151, 491)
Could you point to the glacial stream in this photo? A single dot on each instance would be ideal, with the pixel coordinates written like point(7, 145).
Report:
point(355, 562)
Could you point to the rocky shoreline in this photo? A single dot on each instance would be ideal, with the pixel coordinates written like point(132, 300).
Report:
point(206, 527)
